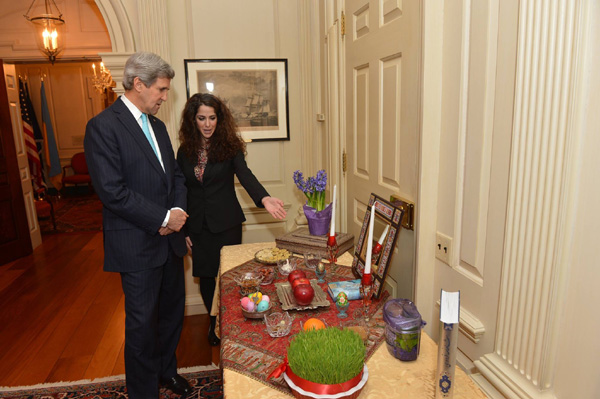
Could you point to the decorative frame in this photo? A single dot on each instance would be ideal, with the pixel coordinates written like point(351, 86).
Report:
point(386, 213)
point(255, 90)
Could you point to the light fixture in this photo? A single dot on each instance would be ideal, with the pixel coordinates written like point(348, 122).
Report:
point(49, 28)
point(102, 80)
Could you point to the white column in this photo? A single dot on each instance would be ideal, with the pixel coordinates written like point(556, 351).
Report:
point(522, 364)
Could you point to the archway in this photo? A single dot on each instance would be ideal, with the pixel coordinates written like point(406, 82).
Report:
point(121, 38)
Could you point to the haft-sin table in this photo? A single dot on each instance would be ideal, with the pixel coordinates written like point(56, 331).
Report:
point(388, 376)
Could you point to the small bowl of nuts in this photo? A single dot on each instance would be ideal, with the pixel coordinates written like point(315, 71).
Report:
point(249, 282)
point(278, 324)
point(286, 266)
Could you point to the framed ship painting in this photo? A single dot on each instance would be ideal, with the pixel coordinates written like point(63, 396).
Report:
point(255, 90)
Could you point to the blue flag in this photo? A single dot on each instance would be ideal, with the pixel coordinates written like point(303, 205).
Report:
point(51, 149)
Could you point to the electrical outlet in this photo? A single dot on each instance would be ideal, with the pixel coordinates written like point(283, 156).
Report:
point(443, 247)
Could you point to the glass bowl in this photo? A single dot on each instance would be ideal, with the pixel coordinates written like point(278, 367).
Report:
point(312, 260)
point(278, 324)
point(249, 282)
point(286, 266)
point(268, 273)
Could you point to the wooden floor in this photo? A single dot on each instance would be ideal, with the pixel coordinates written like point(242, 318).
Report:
point(62, 317)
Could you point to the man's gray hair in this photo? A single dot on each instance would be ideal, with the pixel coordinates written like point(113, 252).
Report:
point(146, 66)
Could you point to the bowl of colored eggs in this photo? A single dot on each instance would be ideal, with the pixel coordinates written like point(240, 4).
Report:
point(255, 305)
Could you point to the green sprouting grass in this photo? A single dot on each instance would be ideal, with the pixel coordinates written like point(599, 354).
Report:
point(327, 356)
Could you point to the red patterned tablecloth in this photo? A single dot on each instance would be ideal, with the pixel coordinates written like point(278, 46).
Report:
point(247, 348)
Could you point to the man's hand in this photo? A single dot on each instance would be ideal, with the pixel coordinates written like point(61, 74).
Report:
point(177, 219)
point(188, 243)
point(163, 231)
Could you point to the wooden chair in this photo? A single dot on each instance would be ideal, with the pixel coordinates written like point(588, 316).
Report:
point(80, 174)
point(44, 206)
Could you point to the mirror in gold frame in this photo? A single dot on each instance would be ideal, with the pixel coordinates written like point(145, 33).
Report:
point(386, 227)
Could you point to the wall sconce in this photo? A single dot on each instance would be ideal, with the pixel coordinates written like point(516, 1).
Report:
point(102, 80)
point(49, 28)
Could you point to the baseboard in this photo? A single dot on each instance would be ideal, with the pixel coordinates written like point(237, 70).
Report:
point(194, 305)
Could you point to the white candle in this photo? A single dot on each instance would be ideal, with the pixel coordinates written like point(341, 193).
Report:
point(332, 229)
point(94, 68)
point(383, 235)
point(46, 36)
point(54, 39)
point(370, 241)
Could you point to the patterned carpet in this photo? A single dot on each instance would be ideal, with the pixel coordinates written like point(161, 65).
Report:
point(207, 383)
point(75, 211)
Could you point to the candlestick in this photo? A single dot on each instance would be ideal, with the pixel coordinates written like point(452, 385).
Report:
point(332, 249)
point(370, 241)
point(332, 229)
point(366, 291)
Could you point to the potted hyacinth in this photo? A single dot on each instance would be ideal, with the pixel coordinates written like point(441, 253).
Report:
point(317, 214)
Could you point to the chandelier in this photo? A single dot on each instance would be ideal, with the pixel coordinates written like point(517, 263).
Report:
point(102, 80)
point(49, 28)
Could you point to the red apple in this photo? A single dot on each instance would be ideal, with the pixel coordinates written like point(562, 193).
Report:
point(296, 274)
point(300, 281)
point(304, 294)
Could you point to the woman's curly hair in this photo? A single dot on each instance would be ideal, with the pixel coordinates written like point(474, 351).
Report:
point(225, 142)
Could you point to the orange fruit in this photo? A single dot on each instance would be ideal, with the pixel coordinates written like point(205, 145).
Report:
point(313, 323)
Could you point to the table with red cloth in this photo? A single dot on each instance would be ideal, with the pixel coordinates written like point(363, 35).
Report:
point(248, 348)
point(249, 354)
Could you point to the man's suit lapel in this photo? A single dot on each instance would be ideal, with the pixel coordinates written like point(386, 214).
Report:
point(164, 147)
point(137, 133)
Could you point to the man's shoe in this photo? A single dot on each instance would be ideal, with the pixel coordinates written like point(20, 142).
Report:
point(178, 385)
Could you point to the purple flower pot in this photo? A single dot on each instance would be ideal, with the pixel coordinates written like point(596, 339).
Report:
point(318, 222)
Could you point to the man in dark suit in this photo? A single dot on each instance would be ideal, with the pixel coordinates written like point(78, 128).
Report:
point(134, 172)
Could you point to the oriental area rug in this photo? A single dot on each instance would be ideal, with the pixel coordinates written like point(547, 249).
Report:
point(207, 382)
point(247, 348)
point(74, 212)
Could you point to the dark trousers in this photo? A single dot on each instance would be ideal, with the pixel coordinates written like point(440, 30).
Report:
point(154, 308)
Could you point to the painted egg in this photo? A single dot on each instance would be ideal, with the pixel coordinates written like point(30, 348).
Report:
point(265, 298)
point(249, 306)
point(256, 297)
point(341, 298)
point(262, 306)
point(245, 301)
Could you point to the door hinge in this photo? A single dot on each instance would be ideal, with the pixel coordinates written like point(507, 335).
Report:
point(344, 162)
point(343, 27)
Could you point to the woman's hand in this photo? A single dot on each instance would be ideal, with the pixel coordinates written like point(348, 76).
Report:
point(188, 243)
point(275, 207)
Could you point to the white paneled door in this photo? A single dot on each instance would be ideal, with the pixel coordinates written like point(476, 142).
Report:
point(12, 90)
point(382, 94)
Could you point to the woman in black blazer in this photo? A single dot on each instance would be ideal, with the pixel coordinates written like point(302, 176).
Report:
point(211, 153)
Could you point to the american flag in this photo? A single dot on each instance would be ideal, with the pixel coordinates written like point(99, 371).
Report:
point(31, 130)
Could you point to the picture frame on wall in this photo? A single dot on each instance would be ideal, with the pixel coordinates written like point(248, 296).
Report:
point(255, 90)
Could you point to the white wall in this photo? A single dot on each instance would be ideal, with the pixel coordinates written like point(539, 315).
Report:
point(253, 29)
